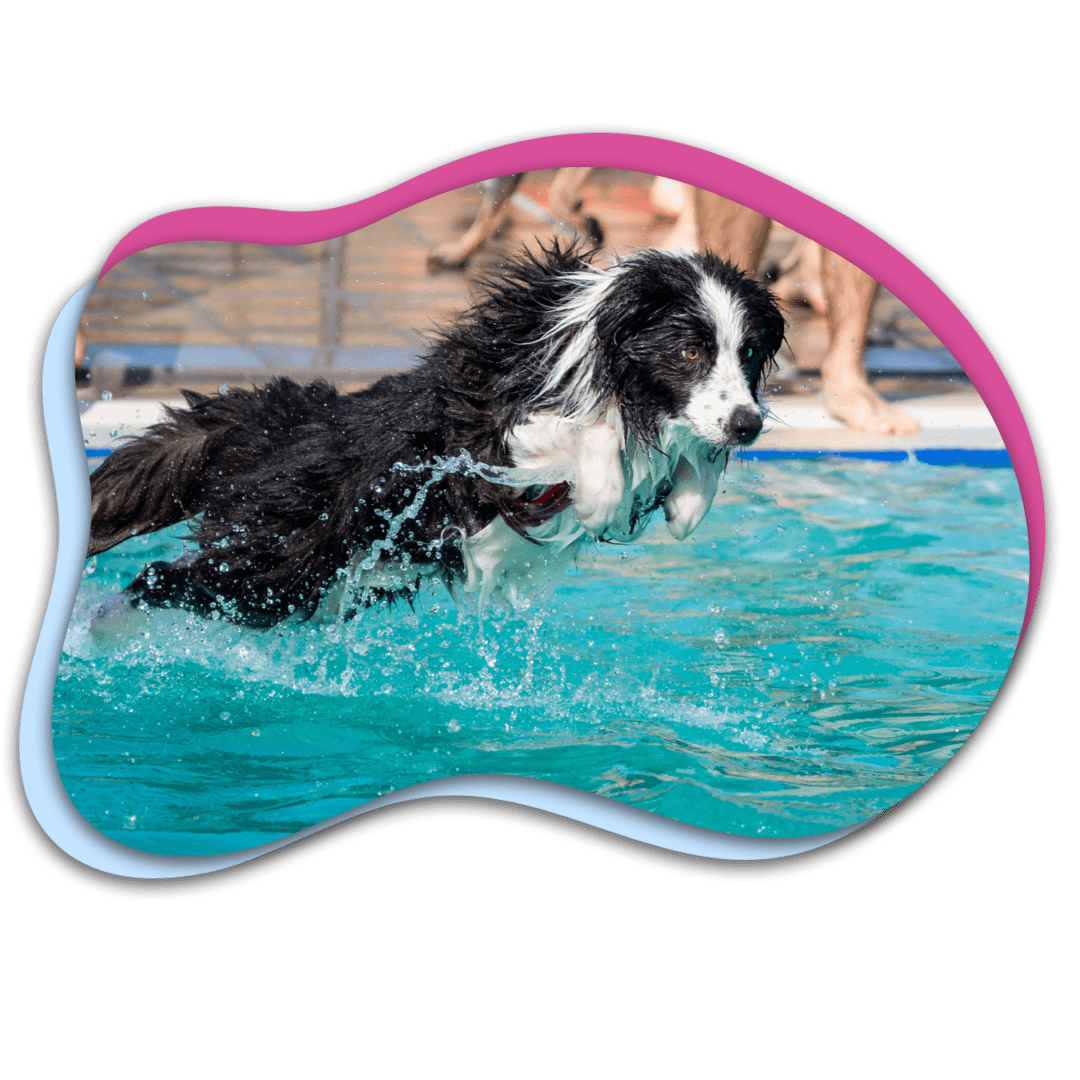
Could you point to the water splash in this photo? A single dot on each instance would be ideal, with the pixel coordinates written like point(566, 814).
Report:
point(858, 650)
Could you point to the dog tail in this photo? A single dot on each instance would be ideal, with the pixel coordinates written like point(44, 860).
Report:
point(151, 482)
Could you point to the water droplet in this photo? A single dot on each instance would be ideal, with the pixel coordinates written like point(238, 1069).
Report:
point(254, 731)
point(223, 387)
point(106, 395)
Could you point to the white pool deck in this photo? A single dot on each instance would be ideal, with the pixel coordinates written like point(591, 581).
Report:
point(796, 423)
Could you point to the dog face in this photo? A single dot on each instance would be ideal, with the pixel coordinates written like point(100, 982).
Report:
point(688, 337)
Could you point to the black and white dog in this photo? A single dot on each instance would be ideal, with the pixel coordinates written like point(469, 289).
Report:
point(569, 404)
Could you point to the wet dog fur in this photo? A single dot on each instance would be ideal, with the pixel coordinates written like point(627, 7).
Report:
point(568, 404)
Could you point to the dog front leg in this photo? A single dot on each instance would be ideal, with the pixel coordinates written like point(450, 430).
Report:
point(599, 482)
point(693, 490)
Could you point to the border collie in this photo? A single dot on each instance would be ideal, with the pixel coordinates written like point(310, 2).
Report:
point(567, 405)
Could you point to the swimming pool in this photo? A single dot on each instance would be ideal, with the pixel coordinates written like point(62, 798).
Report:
point(823, 644)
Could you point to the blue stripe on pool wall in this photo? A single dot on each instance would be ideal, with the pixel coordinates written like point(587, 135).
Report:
point(990, 459)
point(864, 455)
point(264, 358)
point(978, 456)
point(981, 458)
point(879, 360)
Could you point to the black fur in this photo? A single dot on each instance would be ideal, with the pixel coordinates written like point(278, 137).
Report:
point(292, 481)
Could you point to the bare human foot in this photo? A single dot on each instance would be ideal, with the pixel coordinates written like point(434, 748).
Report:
point(833, 286)
point(860, 406)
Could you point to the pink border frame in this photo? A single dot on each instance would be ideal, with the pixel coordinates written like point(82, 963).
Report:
point(680, 162)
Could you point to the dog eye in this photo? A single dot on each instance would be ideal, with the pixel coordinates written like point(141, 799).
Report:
point(691, 352)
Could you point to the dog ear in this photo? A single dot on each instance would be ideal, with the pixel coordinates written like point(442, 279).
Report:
point(766, 332)
point(646, 286)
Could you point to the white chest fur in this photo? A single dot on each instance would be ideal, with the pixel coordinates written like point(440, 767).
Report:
point(613, 485)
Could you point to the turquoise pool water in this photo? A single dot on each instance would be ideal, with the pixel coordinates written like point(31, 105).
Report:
point(823, 644)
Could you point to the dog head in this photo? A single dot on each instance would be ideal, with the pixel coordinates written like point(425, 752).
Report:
point(671, 336)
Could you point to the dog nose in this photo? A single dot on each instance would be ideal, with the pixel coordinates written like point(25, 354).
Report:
point(744, 425)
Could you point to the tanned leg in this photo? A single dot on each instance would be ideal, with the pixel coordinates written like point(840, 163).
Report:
point(729, 230)
point(800, 276)
point(673, 197)
point(847, 393)
point(847, 294)
point(564, 199)
point(489, 217)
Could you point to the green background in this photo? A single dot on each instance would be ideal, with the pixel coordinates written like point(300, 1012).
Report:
point(472, 949)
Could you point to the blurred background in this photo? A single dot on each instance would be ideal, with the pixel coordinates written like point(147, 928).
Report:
point(204, 316)
point(354, 308)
